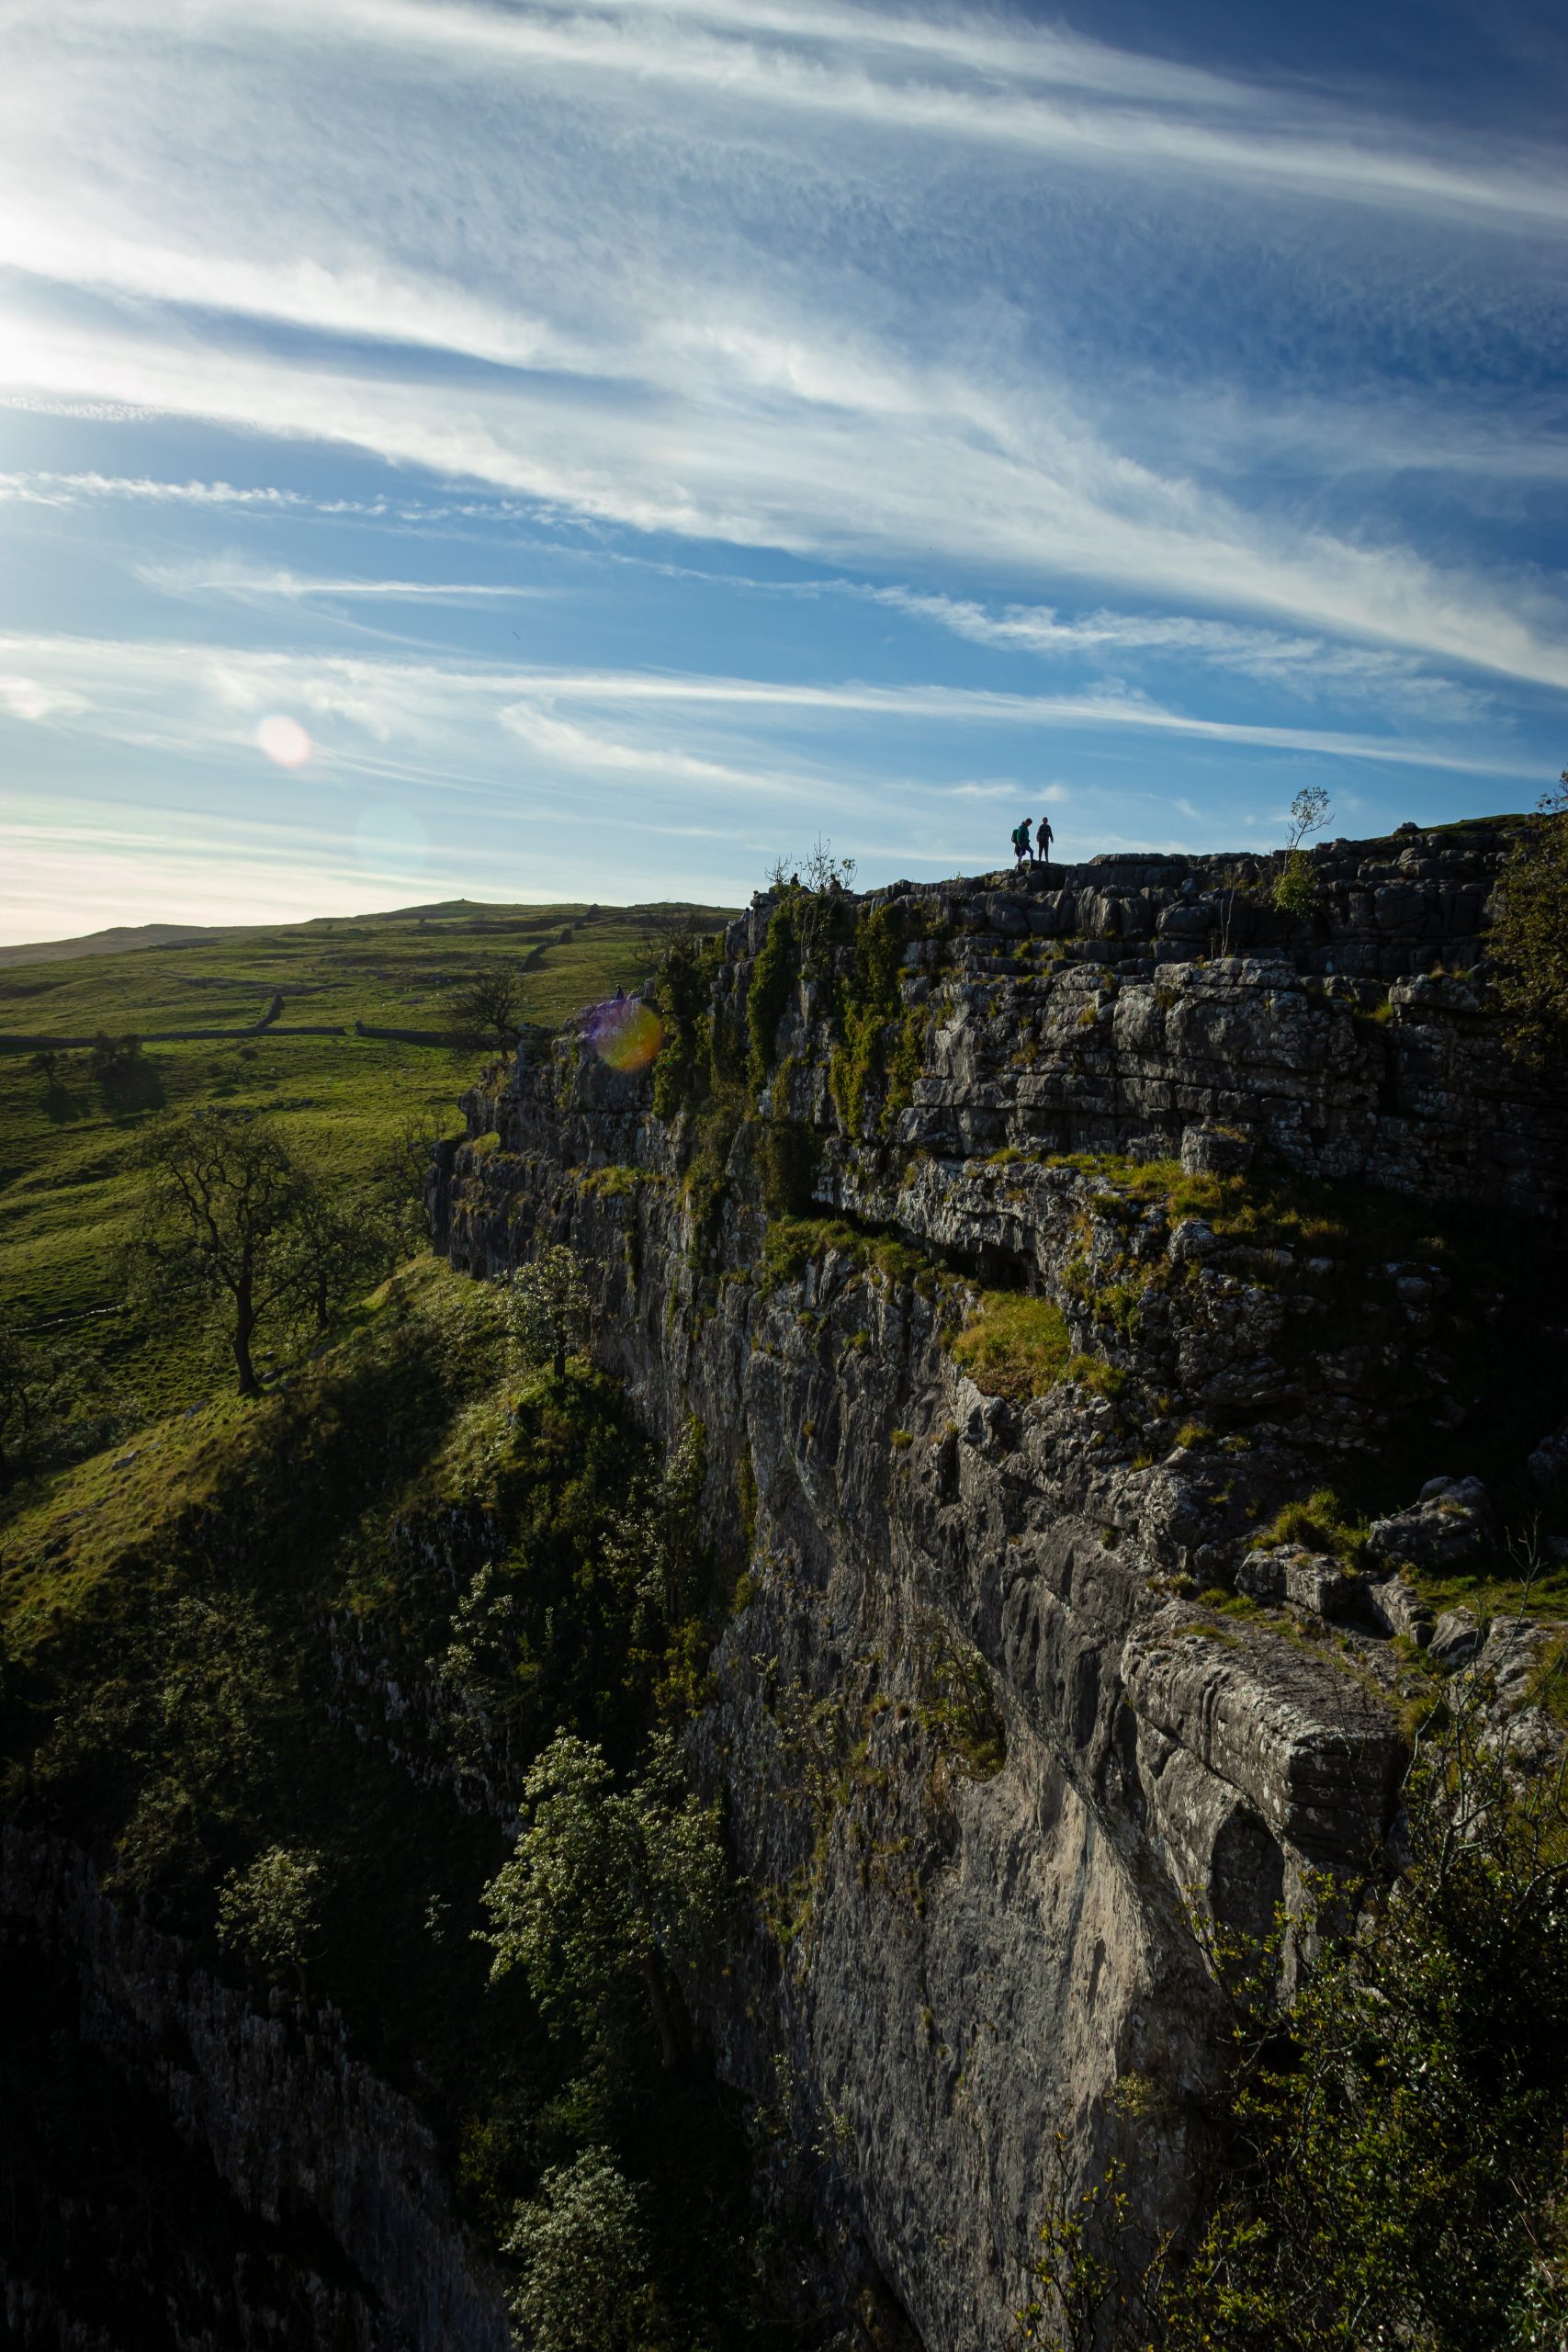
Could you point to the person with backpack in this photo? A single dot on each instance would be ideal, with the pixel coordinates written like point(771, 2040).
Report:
point(1020, 848)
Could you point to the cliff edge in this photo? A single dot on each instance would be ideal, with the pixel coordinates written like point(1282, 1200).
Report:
point(1101, 1299)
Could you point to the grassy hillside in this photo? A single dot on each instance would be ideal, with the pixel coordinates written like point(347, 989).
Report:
point(67, 1144)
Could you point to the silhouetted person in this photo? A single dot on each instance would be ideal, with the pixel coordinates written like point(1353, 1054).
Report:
point(1044, 837)
point(1020, 848)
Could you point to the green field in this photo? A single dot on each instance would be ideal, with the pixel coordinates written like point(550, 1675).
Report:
point(68, 1185)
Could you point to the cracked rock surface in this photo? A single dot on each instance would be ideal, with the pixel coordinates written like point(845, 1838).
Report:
point(968, 1933)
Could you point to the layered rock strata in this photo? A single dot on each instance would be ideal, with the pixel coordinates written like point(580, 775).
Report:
point(1000, 1752)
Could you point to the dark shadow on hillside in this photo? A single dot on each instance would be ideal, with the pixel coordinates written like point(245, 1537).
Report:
point(61, 1106)
point(131, 1089)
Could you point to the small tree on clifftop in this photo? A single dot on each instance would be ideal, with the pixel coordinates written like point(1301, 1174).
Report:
point(1295, 887)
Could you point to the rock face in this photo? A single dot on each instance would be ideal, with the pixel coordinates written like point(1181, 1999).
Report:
point(1013, 1693)
point(302, 2199)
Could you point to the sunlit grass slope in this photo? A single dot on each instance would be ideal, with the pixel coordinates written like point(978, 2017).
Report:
point(67, 1185)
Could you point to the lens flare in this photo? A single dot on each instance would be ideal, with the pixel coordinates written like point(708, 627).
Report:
point(626, 1033)
point(284, 741)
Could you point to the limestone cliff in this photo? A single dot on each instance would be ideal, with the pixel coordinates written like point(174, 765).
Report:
point(1016, 1688)
point(239, 2178)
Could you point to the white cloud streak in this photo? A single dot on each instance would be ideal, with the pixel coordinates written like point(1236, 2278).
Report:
point(247, 584)
point(1311, 667)
point(1048, 94)
point(933, 466)
point(172, 694)
point(305, 225)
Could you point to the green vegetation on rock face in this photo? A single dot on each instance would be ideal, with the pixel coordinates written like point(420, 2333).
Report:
point(684, 995)
point(791, 1242)
point(1015, 1346)
point(1490, 1283)
point(1020, 1347)
point(1320, 1523)
point(871, 1002)
point(768, 994)
point(1530, 939)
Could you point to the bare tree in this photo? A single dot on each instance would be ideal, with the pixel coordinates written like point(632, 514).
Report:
point(818, 870)
point(401, 1178)
point(491, 1004)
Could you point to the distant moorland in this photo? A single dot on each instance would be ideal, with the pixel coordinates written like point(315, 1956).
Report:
point(68, 1132)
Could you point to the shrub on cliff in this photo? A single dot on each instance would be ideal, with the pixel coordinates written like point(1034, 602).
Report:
point(583, 2251)
point(267, 1912)
point(1295, 886)
point(548, 1307)
point(1530, 939)
point(1015, 1346)
point(610, 1887)
point(681, 990)
point(872, 1000)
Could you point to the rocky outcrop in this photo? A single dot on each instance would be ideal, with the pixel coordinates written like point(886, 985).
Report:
point(1020, 1697)
point(246, 2182)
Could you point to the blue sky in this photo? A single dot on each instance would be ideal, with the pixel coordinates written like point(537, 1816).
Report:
point(530, 451)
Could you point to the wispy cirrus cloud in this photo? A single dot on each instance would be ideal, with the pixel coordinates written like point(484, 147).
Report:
point(1046, 92)
point(719, 383)
point(124, 688)
point(243, 582)
point(1312, 667)
point(1120, 409)
point(887, 479)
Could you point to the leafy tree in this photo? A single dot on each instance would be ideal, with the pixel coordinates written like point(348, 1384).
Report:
point(45, 1064)
point(337, 1248)
point(491, 1004)
point(607, 1885)
point(548, 1307)
point(1295, 887)
point(267, 1912)
point(1530, 939)
point(111, 1058)
point(652, 1544)
point(585, 2254)
point(223, 1205)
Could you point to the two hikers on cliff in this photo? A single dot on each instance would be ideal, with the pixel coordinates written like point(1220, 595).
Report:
point(1041, 851)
